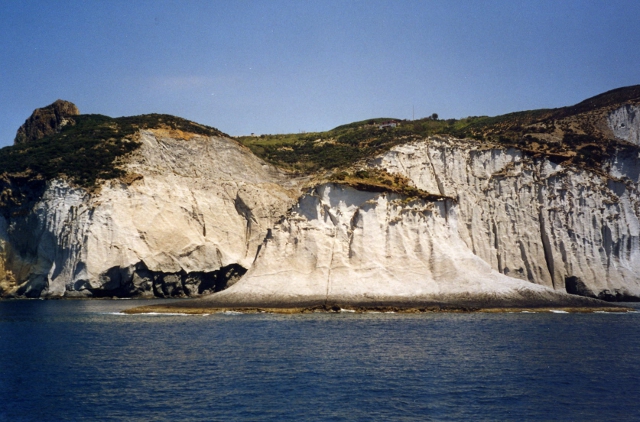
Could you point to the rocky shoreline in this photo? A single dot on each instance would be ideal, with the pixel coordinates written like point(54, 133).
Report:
point(217, 303)
point(167, 309)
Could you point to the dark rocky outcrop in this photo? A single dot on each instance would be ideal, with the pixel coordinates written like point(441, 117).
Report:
point(46, 121)
point(142, 282)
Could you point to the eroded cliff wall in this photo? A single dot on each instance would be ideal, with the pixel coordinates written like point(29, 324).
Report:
point(340, 246)
point(625, 123)
point(194, 213)
point(189, 215)
point(562, 227)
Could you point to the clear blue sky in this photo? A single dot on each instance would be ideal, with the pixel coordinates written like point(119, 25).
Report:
point(287, 66)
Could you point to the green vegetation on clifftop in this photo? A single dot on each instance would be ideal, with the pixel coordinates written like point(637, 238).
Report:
point(344, 145)
point(87, 151)
point(379, 180)
point(575, 135)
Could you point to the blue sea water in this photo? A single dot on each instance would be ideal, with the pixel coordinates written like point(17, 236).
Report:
point(82, 360)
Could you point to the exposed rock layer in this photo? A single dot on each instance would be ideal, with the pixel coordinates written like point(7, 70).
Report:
point(46, 121)
point(625, 123)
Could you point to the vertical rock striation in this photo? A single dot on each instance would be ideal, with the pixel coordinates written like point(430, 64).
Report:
point(562, 227)
point(340, 246)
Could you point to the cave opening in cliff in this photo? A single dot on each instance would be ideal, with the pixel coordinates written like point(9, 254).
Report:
point(575, 286)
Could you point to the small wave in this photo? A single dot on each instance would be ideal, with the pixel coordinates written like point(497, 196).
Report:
point(231, 313)
point(528, 312)
point(558, 312)
point(347, 310)
point(616, 312)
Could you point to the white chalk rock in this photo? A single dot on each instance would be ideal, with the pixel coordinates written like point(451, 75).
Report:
point(564, 228)
point(343, 246)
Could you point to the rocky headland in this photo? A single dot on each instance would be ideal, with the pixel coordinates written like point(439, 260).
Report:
point(47, 121)
point(531, 210)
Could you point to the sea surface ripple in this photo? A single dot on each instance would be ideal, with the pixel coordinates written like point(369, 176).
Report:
point(83, 360)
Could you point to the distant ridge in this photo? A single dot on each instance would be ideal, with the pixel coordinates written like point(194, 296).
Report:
point(606, 99)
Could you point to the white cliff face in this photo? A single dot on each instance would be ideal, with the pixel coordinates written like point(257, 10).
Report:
point(343, 246)
point(625, 123)
point(193, 213)
point(39, 247)
point(192, 206)
point(567, 229)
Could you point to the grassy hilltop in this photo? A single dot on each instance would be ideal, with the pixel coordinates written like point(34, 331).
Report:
point(575, 134)
point(346, 144)
point(87, 150)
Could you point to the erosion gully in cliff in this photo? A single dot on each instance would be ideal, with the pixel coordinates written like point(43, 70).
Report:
point(545, 219)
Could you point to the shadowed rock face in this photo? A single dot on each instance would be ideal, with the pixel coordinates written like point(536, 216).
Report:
point(139, 281)
point(625, 123)
point(46, 121)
